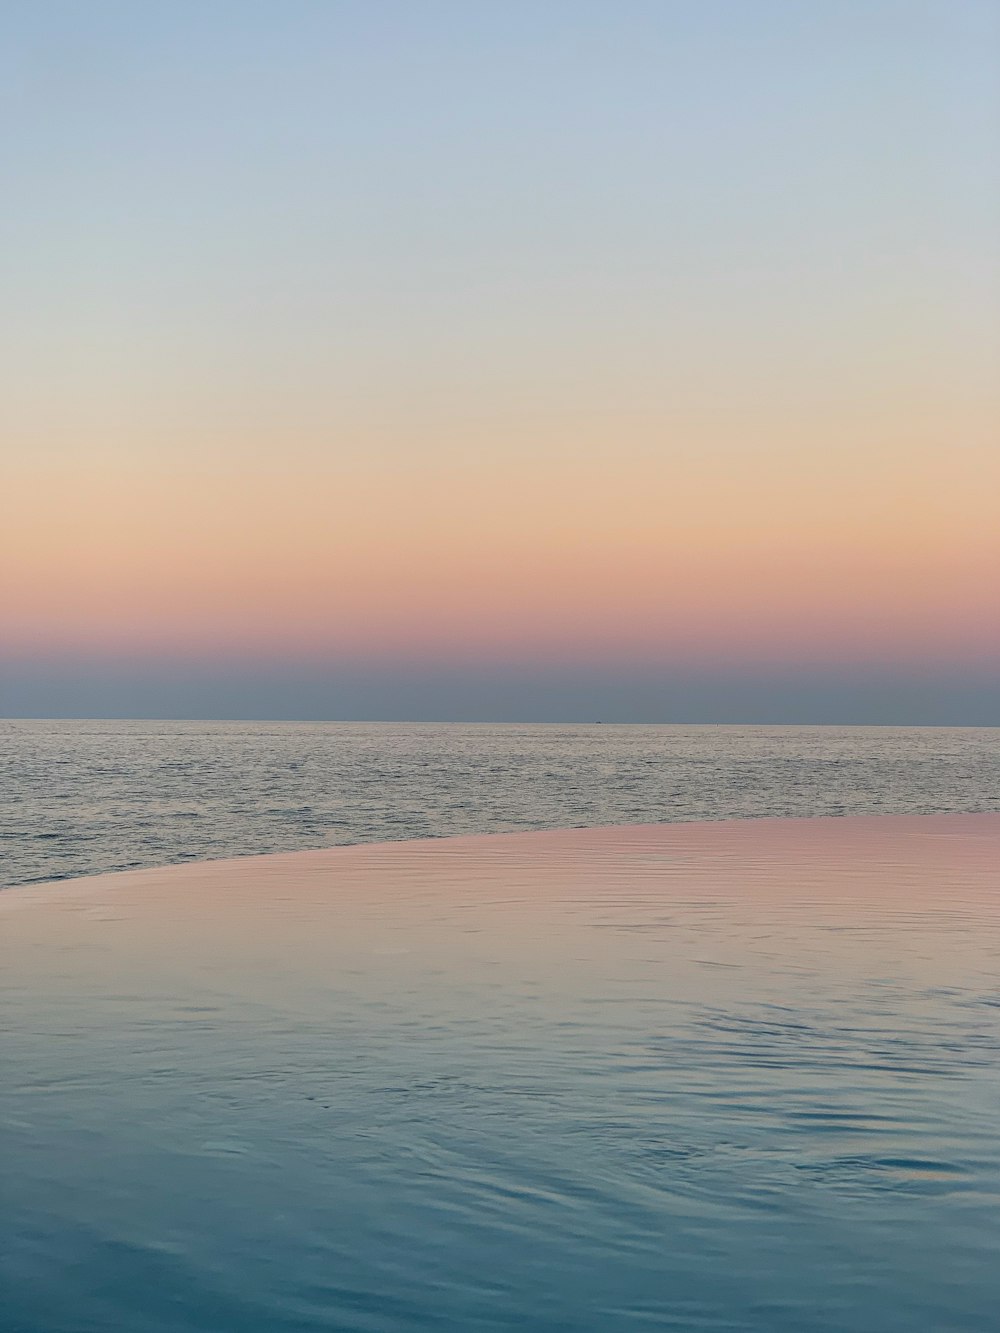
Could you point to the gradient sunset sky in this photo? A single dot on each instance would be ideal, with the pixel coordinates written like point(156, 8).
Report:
point(505, 360)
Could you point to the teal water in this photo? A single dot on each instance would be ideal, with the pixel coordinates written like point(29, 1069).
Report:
point(732, 1076)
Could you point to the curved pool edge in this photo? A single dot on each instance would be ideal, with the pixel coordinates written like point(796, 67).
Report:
point(21, 896)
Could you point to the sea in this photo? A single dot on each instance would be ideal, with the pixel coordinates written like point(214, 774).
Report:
point(87, 797)
point(552, 1029)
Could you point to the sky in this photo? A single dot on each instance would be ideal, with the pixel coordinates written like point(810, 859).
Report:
point(536, 360)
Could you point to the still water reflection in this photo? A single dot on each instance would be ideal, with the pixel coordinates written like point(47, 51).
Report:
point(741, 1076)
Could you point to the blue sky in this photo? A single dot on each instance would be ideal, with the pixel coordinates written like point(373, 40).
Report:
point(445, 352)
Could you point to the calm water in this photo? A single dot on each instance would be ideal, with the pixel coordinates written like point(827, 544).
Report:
point(734, 1077)
point(85, 797)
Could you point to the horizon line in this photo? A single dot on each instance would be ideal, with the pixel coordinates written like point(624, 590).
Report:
point(485, 722)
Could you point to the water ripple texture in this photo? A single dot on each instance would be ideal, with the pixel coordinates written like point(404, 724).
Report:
point(737, 1076)
point(82, 798)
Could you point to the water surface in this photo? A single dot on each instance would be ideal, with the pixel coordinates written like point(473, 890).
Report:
point(82, 798)
point(733, 1076)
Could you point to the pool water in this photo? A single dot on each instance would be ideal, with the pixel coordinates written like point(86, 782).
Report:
point(730, 1076)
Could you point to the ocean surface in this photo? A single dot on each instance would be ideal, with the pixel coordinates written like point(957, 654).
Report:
point(81, 798)
point(731, 1077)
